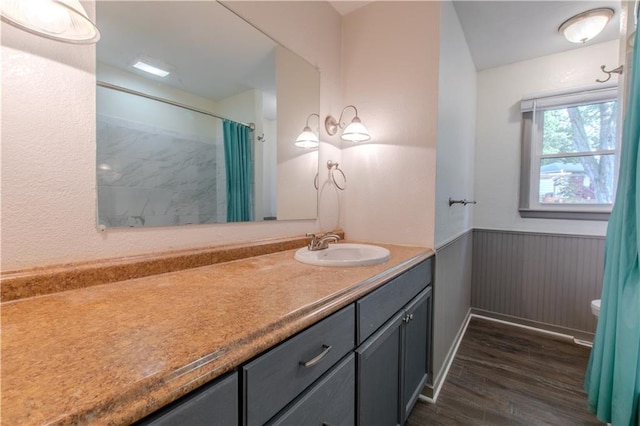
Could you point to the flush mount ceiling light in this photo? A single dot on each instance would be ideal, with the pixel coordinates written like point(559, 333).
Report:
point(308, 139)
point(586, 25)
point(143, 66)
point(354, 132)
point(62, 20)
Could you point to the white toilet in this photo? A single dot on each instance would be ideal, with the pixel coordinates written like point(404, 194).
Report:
point(595, 307)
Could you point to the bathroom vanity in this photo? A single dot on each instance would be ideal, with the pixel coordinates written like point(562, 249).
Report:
point(262, 340)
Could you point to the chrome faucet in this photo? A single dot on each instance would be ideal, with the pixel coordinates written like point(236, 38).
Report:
point(321, 243)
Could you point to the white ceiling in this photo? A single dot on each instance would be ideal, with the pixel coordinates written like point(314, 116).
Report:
point(497, 32)
point(503, 32)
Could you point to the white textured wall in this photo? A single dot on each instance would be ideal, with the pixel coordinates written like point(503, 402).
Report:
point(497, 164)
point(390, 69)
point(456, 129)
point(48, 145)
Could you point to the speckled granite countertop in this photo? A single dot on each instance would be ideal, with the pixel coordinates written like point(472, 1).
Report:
point(112, 353)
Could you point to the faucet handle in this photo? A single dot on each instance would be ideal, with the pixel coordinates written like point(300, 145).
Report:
point(313, 242)
point(331, 235)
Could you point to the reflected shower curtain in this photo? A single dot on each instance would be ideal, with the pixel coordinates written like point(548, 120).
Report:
point(613, 375)
point(238, 156)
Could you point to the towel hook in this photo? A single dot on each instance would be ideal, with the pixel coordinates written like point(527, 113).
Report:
point(613, 71)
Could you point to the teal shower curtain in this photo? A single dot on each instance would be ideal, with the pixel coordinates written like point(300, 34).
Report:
point(613, 375)
point(238, 155)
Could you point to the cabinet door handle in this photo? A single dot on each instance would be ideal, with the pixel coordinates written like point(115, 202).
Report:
point(313, 361)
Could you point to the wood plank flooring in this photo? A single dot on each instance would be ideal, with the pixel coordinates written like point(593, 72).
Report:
point(506, 375)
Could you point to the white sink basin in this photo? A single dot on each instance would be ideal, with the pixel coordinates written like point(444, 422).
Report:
point(344, 254)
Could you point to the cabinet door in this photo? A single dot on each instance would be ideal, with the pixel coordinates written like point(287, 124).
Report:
point(378, 365)
point(213, 404)
point(416, 333)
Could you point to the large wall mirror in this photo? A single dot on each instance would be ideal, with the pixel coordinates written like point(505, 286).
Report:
point(212, 141)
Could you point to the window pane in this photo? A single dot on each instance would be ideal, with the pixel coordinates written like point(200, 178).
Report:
point(582, 128)
point(586, 179)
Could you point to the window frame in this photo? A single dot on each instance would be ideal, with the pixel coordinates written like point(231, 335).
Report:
point(531, 153)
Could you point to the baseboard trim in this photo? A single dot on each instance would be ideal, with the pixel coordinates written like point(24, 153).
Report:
point(433, 391)
point(569, 333)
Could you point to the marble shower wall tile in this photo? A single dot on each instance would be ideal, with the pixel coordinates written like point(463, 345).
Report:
point(152, 177)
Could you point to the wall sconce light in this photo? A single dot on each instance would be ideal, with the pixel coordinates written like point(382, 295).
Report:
point(586, 25)
point(308, 139)
point(62, 20)
point(354, 132)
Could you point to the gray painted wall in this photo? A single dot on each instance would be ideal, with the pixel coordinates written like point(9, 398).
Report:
point(452, 296)
point(546, 278)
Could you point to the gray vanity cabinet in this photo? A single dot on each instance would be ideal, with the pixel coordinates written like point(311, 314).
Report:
point(365, 364)
point(215, 404)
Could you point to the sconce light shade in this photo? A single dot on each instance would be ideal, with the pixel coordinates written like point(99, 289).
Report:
point(308, 139)
point(354, 132)
point(586, 25)
point(62, 20)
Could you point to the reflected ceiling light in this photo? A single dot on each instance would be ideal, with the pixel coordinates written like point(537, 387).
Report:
point(586, 25)
point(354, 132)
point(143, 66)
point(308, 139)
point(62, 20)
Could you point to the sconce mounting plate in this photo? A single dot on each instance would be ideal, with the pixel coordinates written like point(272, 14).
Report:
point(331, 125)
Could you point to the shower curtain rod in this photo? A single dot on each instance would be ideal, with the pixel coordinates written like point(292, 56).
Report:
point(251, 126)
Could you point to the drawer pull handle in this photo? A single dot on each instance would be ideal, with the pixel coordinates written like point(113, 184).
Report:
point(317, 358)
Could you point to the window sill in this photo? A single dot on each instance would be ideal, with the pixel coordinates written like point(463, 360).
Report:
point(564, 214)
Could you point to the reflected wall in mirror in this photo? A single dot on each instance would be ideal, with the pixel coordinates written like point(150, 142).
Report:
point(164, 164)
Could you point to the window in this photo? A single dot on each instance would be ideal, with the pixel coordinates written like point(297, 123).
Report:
point(569, 154)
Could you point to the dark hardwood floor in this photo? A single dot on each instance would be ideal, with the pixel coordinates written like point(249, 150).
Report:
point(506, 375)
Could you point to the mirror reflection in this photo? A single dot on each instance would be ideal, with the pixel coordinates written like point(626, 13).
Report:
point(202, 129)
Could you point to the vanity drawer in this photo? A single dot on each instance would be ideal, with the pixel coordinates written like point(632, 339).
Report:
point(331, 401)
point(280, 375)
point(211, 405)
point(376, 308)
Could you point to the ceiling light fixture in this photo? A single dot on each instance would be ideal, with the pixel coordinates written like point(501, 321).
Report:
point(586, 25)
point(62, 20)
point(143, 66)
point(354, 132)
